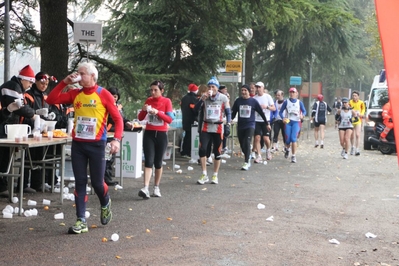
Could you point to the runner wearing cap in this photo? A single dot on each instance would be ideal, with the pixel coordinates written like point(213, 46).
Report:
point(295, 112)
point(267, 104)
point(319, 116)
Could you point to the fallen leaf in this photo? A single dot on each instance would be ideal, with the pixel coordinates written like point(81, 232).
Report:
point(118, 257)
point(45, 207)
point(104, 239)
point(147, 231)
point(203, 222)
point(31, 229)
point(93, 226)
point(130, 209)
point(129, 237)
point(62, 224)
point(169, 219)
point(204, 188)
point(175, 237)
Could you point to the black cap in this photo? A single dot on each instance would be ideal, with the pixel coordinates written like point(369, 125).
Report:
point(221, 87)
point(246, 87)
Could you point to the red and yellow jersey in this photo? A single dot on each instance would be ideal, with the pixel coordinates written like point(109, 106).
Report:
point(360, 108)
point(92, 105)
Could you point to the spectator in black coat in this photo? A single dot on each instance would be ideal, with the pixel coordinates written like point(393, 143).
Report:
point(187, 105)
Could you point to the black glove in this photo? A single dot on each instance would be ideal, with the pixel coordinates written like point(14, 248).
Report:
point(226, 130)
point(355, 119)
point(390, 120)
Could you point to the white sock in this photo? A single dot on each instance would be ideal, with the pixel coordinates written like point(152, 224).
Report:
point(204, 172)
point(317, 142)
point(321, 142)
point(215, 174)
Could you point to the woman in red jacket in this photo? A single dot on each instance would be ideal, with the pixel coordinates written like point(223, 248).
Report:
point(159, 113)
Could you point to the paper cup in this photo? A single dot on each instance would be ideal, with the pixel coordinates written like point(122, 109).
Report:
point(15, 200)
point(33, 212)
point(7, 215)
point(18, 139)
point(59, 216)
point(50, 135)
point(46, 202)
point(27, 213)
point(115, 237)
point(32, 203)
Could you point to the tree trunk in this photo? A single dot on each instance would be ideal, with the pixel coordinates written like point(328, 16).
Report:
point(54, 38)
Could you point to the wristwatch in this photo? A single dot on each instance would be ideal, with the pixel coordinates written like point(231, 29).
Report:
point(118, 140)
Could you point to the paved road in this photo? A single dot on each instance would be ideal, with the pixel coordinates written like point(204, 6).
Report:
point(321, 197)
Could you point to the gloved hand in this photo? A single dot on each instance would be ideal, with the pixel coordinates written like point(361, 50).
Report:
point(43, 112)
point(226, 130)
point(51, 116)
point(390, 120)
point(13, 107)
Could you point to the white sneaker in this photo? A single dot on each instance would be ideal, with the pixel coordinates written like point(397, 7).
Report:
point(345, 156)
point(343, 152)
point(253, 155)
point(203, 179)
point(258, 159)
point(293, 159)
point(268, 155)
point(215, 180)
point(144, 193)
point(209, 160)
point(352, 150)
point(245, 166)
point(157, 192)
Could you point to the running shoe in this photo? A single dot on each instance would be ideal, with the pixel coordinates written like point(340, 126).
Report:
point(245, 166)
point(357, 152)
point(293, 159)
point(209, 160)
point(321, 146)
point(345, 156)
point(106, 213)
point(203, 179)
point(273, 150)
point(144, 193)
point(186, 156)
point(317, 145)
point(352, 150)
point(253, 155)
point(156, 192)
point(214, 179)
point(286, 153)
point(78, 227)
point(258, 159)
point(343, 152)
point(268, 155)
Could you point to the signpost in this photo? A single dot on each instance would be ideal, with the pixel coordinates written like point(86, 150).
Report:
point(233, 66)
point(294, 80)
point(88, 32)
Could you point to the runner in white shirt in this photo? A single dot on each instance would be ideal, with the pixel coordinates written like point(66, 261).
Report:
point(267, 104)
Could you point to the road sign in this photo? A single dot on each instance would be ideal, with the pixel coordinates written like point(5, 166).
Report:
point(295, 80)
point(231, 77)
point(233, 66)
point(87, 32)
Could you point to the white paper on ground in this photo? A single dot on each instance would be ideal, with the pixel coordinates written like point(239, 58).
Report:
point(370, 235)
point(261, 206)
point(270, 219)
point(334, 241)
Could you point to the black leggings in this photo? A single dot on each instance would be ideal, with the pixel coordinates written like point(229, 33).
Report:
point(278, 126)
point(244, 137)
point(206, 140)
point(154, 146)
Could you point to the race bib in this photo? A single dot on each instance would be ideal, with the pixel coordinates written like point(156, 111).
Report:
point(213, 112)
point(86, 127)
point(245, 111)
point(155, 120)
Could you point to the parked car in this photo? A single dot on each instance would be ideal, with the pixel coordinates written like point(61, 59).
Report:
point(378, 90)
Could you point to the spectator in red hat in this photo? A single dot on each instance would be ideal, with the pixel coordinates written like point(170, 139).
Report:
point(12, 109)
point(189, 115)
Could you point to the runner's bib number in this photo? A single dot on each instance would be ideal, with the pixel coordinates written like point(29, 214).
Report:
point(245, 111)
point(86, 127)
point(213, 112)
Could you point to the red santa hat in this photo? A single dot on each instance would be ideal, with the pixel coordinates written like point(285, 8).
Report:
point(27, 73)
point(192, 87)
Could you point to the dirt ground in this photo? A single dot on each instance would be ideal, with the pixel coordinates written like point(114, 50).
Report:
point(320, 198)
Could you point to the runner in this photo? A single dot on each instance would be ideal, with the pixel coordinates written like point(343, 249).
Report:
point(319, 115)
point(295, 112)
point(360, 108)
point(345, 125)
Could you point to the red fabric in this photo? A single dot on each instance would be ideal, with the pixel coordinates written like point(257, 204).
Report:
point(387, 17)
point(163, 105)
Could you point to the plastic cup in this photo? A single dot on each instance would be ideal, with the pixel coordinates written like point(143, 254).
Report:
point(27, 213)
point(7, 215)
point(63, 130)
point(50, 135)
point(15, 200)
point(210, 92)
point(190, 168)
point(33, 212)
point(87, 215)
point(59, 216)
point(18, 139)
point(32, 202)
point(25, 138)
point(46, 202)
point(77, 79)
point(115, 237)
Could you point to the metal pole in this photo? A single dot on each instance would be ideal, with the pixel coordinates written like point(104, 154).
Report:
point(243, 67)
point(310, 91)
point(7, 41)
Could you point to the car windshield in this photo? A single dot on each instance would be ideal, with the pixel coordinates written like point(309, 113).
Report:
point(376, 95)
